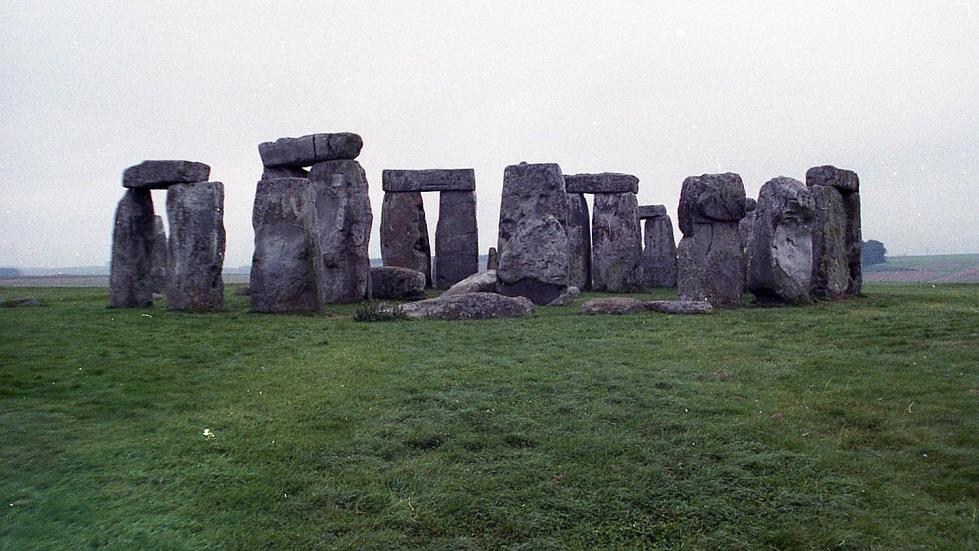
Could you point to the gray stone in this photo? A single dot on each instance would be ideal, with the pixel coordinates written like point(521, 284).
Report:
point(579, 242)
point(132, 251)
point(678, 306)
point(404, 233)
point(492, 259)
point(311, 149)
point(830, 259)
point(20, 302)
point(710, 265)
point(846, 181)
point(848, 184)
point(390, 282)
point(340, 218)
point(480, 282)
point(243, 290)
point(456, 238)
point(566, 297)
point(158, 271)
point(616, 243)
point(750, 204)
point(659, 253)
point(469, 306)
point(711, 197)
point(611, 305)
point(282, 276)
point(163, 174)
point(195, 248)
point(274, 173)
point(436, 179)
point(780, 249)
point(534, 261)
point(530, 191)
point(606, 182)
point(651, 211)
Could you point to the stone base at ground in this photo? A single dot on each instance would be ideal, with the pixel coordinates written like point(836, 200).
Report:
point(389, 282)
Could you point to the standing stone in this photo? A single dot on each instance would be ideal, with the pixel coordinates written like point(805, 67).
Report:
point(282, 267)
point(780, 249)
point(854, 243)
point(492, 259)
point(404, 233)
point(456, 238)
point(579, 242)
point(616, 243)
point(132, 251)
point(339, 217)
point(659, 252)
point(196, 246)
point(158, 273)
point(744, 231)
point(396, 283)
point(709, 257)
point(837, 239)
point(530, 190)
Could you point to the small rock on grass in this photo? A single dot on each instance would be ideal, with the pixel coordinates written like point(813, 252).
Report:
point(679, 306)
point(27, 301)
point(611, 305)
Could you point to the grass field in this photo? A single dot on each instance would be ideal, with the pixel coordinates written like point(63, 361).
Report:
point(947, 268)
point(840, 425)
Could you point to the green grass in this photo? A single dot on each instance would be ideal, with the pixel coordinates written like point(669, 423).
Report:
point(850, 424)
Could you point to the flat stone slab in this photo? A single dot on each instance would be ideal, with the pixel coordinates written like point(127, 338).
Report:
point(469, 306)
point(611, 305)
point(163, 174)
point(651, 211)
point(311, 149)
point(434, 179)
point(678, 306)
point(606, 182)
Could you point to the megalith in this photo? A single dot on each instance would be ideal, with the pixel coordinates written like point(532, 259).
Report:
point(780, 246)
point(195, 247)
point(579, 242)
point(616, 243)
point(404, 233)
point(659, 247)
point(132, 251)
point(158, 272)
point(456, 238)
point(837, 240)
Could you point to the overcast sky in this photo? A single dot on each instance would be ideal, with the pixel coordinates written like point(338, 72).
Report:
point(662, 90)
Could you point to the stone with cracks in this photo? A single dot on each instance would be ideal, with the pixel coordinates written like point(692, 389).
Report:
point(854, 243)
point(659, 253)
point(480, 282)
point(340, 218)
point(579, 242)
point(404, 233)
point(530, 191)
point(830, 262)
point(611, 305)
point(163, 174)
point(606, 182)
point(826, 254)
point(711, 197)
point(469, 306)
point(282, 276)
point(196, 246)
point(132, 251)
point(311, 149)
point(390, 282)
point(456, 238)
point(534, 261)
point(158, 272)
point(440, 179)
point(616, 264)
point(780, 249)
point(651, 211)
point(678, 306)
point(492, 259)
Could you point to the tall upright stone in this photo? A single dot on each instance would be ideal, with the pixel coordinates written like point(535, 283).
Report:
point(659, 248)
point(282, 276)
point(404, 233)
point(340, 218)
point(838, 244)
point(158, 273)
point(530, 190)
point(456, 238)
point(616, 243)
point(196, 246)
point(132, 251)
point(744, 231)
point(780, 248)
point(709, 257)
point(579, 242)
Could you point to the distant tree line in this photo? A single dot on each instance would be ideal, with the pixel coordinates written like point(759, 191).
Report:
point(873, 252)
point(10, 272)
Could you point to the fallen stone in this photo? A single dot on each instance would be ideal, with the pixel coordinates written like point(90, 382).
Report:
point(530, 191)
point(158, 270)
point(456, 238)
point(616, 253)
point(310, 149)
point(196, 246)
point(711, 197)
point(611, 305)
point(469, 306)
point(566, 297)
point(579, 242)
point(132, 251)
point(534, 262)
point(678, 306)
point(390, 282)
point(492, 259)
point(606, 182)
point(651, 211)
point(436, 179)
point(404, 233)
point(780, 249)
point(480, 282)
point(659, 253)
point(163, 174)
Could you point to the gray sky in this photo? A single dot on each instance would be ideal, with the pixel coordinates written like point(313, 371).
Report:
point(662, 90)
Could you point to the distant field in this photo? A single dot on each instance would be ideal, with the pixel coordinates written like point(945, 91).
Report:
point(84, 280)
point(953, 268)
point(849, 424)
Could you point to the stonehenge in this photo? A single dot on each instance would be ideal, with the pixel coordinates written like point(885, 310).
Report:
point(837, 261)
point(780, 244)
point(659, 247)
point(195, 248)
point(616, 243)
point(456, 238)
point(579, 242)
point(404, 233)
point(132, 251)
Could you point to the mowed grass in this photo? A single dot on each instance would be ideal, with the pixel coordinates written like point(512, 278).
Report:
point(851, 424)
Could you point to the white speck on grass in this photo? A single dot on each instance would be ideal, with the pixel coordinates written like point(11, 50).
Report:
point(208, 434)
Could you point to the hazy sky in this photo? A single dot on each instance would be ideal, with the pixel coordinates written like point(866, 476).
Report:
point(662, 90)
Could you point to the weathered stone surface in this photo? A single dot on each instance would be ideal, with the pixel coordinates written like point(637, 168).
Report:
point(196, 246)
point(469, 306)
point(830, 259)
point(616, 264)
point(651, 211)
point(163, 174)
point(534, 261)
point(611, 305)
point(780, 249)
point(678, 306)
point(456, 238)
point(711, 197)
point(436, 179)
point(282, 277)
point(404, 233)
point(605, 182)
point(274, 173)
point(390, 282)
point(158, 271)
point(659, 253)
point(530, 191)
point(846, 181)
point(480, 282)
point(492, 259)
point(579, 242)
point(710, 265)
point(750, 204)
point(566, 297)
point(132, 251)
point(340, 219)
point(854, 243)
point(311, 149)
